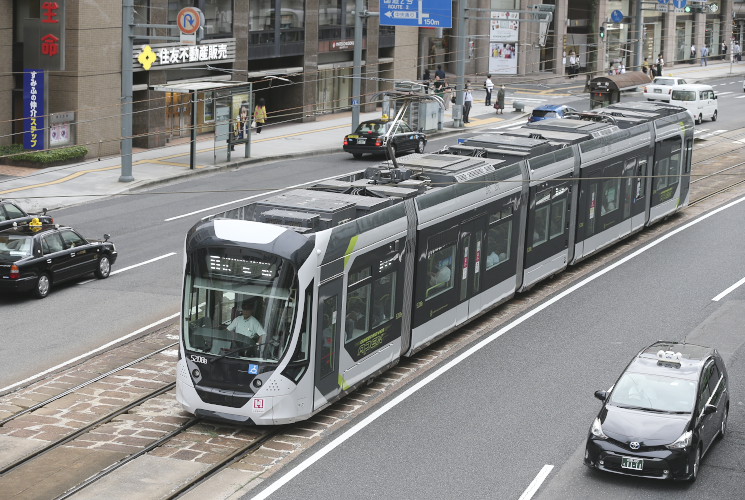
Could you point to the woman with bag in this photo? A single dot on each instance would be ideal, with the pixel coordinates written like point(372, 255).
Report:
point(259, 115)
point(499, 105)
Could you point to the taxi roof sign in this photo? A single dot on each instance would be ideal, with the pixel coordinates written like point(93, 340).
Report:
point(669, 357)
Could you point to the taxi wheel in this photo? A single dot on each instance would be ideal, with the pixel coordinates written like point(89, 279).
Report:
point(43, 285)
point(356, 156)
point(714, 118)
point(420, 146)
point(104, 267)
point(696, 464)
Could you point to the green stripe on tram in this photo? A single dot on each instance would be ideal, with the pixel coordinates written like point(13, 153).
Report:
point(350, 249)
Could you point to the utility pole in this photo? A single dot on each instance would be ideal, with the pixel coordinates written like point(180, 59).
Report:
point(357, 73)
point(460, 64)
point(639, 32)
point(127, 49)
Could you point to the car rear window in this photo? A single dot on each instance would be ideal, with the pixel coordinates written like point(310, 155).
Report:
point(15, 246)
point(664, 81)
point(543, 113)
point(683, 95)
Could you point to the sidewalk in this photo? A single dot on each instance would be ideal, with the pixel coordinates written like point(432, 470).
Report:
point(68, 185)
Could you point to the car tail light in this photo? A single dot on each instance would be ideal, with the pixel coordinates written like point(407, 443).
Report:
point(379, 142)
point(15, 273)
point(346, 141)
point(645, 89)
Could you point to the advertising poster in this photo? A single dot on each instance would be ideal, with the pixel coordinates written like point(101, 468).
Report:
point(504, 26)
point(503, 58)
point(240, 112)
point(33, 109)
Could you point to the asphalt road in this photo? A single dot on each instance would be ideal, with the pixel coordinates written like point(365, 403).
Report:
point(485, 428)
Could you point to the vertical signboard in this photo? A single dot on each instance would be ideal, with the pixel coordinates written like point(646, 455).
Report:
point(44, 38)
point(503, 36)
point(33, 109)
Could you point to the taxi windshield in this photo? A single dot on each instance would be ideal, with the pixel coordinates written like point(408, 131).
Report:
point(239, 306)
point(654, 392)
point(15, 246)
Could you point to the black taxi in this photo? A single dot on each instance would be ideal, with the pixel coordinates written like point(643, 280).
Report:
point(11, 215)
point(369, 137)
point(35, 256)
point(663, 413)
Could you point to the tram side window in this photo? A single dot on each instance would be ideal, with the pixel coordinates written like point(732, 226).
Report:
point(611, 196)
point(673, 169)
point(328, 333)
point(384, 295)
point(558, 217)
point(540, 229)
point(639, 192)
point(498, 239)
point(440, 270)
point(357, 321)
point(660, 174)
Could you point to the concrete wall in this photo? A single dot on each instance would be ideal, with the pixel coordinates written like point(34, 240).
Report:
point(6, 73)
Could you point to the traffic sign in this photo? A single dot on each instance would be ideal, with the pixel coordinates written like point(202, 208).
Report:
point(680, 4)
point(616, 16)
point(189, 20)
point(422, 13)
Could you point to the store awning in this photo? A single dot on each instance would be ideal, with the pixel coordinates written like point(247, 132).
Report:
point(627, 81)
point(196, 86)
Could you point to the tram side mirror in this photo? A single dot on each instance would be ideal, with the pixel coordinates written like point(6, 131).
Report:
point(601, 395)
point(106, 236)
point(43, 211)
point(709, 409)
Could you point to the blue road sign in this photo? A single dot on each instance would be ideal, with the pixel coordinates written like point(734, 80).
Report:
point(680, 4)
point(616, 16)
point(663, 2)
point(422, 13)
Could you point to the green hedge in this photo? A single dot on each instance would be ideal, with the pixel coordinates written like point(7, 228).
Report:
point(16, 153)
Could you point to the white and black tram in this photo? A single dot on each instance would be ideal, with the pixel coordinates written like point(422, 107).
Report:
point(339, 280)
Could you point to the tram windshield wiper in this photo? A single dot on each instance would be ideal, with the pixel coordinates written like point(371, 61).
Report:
point(233, 351)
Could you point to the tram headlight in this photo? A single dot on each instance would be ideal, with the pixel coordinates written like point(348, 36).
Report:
point(196, 373)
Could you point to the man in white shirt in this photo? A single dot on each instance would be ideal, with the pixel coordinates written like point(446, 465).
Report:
point(247, 326)
point(467, 103)
point(488, 86)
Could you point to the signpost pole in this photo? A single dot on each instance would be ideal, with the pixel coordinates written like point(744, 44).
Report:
point(639, 36)
point(127, 49)
point(357, 74)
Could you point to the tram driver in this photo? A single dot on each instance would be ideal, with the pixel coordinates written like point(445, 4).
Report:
point(247, 326)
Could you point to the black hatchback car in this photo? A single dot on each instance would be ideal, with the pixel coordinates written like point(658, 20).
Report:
point(34, 257)
point(368, 138)
point(11, 214)
point(663, 413)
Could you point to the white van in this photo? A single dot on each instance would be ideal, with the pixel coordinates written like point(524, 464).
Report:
point(699, 100)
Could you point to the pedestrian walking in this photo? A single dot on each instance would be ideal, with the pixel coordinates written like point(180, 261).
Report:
point(467, 103)
point(645, 66)
point(738, 52)
point(693, 53)
point(704, 55)
point(439, 87)
point(724, 50)
point(440, 72)
point(573, 65)
point(489, 87)
point(660, 64)
point(260, 115)
point(426, 80)
point(499, 105)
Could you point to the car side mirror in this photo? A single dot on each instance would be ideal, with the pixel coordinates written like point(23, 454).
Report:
point(106, 236)
point(43, 211)
point(709, 409)
point(601, 395)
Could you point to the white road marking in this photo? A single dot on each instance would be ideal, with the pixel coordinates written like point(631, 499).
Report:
point(740, 97)
point(256, 196)
point(89, 353)
point(536, 483)
point(728, 290)
point(315, 457)
point(133, 266)
point(724, 93)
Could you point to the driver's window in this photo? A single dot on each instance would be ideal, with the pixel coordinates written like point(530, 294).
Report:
point(51, 244)
point(72, 239)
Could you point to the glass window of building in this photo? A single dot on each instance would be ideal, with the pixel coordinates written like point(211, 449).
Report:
point(218, 15)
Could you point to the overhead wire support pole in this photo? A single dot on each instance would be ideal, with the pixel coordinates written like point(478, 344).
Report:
point(360, 13)
point(639, 38)
point(127, 49)
point(460, 66)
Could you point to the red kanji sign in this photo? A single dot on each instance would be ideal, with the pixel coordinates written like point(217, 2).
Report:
point(49, 45)
point(49, 12)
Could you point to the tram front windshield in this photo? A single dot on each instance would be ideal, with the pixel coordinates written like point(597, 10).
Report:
point(239, 305)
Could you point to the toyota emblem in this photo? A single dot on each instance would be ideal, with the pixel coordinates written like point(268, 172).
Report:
point(634, 445)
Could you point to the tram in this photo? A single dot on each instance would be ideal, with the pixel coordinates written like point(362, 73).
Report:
point(292, 301)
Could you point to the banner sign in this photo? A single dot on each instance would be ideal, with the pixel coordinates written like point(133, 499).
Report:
point(33, 109)
point(504, 26)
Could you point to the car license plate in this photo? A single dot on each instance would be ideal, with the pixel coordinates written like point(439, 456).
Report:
point(658, 91)
point(632, 463)
point(361, 141)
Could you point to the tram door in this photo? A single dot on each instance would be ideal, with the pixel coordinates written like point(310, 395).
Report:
point(328, 326)
point(178, 114)
point(471, 262)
